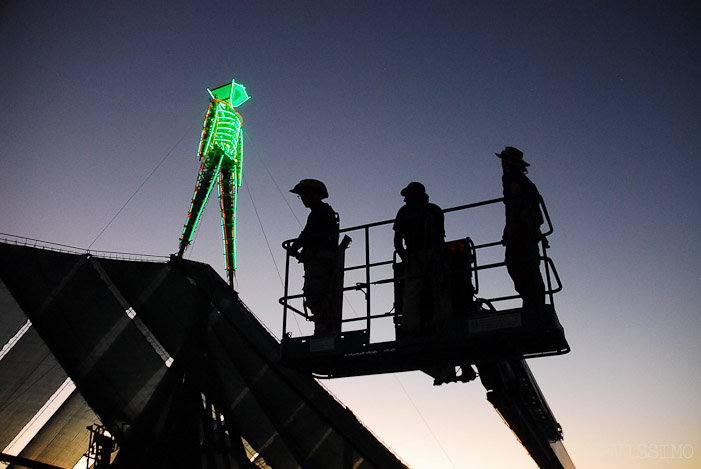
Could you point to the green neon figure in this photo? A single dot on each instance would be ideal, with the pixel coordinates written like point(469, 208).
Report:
point(221, 153)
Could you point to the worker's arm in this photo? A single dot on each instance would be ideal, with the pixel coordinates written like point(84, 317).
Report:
point(399, 245)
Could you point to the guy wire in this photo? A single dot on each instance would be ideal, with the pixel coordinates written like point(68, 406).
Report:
point(143, 183)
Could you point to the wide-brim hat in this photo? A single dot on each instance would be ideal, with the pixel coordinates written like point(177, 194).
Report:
point(305, 186)
point(512, 155)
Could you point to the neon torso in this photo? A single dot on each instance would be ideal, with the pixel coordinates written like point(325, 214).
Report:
point(222, 129)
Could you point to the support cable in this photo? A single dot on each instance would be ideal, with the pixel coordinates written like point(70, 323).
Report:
point(282, 194)
point(260, 221)
point(424, 420)
point(276, 184)
point(265, 236)
point(143, 183)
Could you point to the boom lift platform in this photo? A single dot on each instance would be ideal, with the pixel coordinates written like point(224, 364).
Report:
point(473, 331)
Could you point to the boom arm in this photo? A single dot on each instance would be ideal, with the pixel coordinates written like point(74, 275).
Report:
point(514, 393)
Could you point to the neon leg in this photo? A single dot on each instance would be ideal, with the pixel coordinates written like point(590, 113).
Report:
point(227, 203)
point(205, 181)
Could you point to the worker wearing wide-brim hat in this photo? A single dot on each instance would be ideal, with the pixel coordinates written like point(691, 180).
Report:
point(522, 228)
point(513, 156)
point(317, 248)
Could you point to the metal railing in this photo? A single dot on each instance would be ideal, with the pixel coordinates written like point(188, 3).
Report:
point(64, 248)
point(367, 267)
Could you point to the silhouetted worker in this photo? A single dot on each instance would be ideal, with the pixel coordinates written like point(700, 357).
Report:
point(317, 248)
point(522, 230)
point(418, 239)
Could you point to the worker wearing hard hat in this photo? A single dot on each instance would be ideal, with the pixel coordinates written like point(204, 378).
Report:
point(317, 248)
point(418, 240)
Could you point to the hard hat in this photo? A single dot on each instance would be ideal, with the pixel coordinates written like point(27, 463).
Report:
point(306, 186)
point(414, 188)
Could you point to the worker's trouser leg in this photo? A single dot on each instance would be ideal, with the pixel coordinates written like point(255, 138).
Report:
point(523, 265)
point(425, 291)
point(318, 271)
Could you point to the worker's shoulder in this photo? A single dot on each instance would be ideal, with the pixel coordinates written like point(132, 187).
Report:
point(433, 207)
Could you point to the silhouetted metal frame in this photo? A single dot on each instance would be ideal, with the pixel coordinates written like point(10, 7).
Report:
point(550, 270)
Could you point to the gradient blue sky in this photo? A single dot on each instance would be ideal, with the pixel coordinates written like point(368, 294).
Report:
point(603, 98)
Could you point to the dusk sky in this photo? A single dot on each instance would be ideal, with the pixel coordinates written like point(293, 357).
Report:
point(101, 108)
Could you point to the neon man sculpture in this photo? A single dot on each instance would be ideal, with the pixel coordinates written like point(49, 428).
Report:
point(221, 153)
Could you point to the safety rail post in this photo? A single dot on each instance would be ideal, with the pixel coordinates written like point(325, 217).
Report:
point(367, 277)
point(544, 243)
point(547, 273)
point(547, 218)
point(286, 291)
